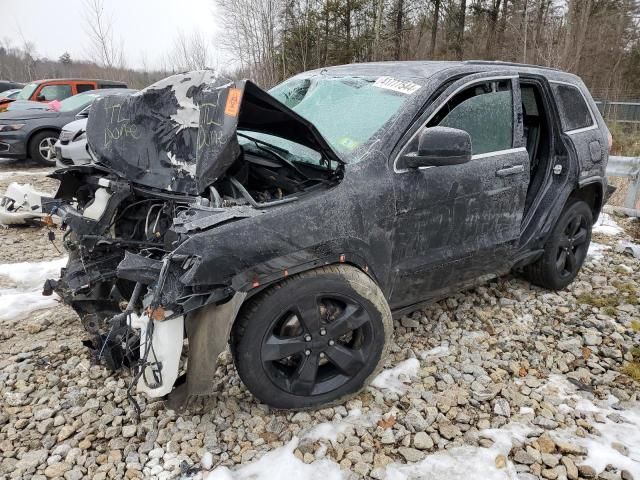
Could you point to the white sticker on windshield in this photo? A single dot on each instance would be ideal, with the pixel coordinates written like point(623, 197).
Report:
point(396, 85)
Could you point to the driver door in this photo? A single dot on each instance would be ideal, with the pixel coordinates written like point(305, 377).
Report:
point(457, 223)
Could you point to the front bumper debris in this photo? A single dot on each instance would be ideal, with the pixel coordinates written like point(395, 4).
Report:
point(22, 204)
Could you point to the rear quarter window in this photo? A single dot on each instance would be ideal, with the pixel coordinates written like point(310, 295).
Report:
point(84, 87)
point(574, 110)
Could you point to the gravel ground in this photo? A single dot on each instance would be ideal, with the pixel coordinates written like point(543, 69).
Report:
point(505, 381)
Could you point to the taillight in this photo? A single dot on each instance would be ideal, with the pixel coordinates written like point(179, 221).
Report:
point(610, 138)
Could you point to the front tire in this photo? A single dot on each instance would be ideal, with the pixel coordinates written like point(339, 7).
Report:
point(314, 339)
point(565, 250)
point(41, 147)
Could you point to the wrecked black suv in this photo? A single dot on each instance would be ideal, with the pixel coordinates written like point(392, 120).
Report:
point(293, 225)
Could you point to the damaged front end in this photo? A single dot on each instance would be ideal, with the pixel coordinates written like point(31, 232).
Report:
point(184, 156)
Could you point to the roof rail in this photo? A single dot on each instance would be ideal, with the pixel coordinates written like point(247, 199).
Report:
point(509, 64)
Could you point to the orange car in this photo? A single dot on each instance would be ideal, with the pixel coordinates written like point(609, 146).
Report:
point(58, 89)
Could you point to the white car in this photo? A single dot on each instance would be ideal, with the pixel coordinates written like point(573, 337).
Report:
point(71, 147)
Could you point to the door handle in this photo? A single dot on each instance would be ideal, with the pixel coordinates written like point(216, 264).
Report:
point(503, 172)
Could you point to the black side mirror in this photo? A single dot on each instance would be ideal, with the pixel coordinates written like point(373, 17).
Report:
point(437, 147)
point(41, 98)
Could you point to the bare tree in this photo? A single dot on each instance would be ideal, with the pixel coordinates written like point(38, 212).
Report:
point(252, 36)
point(434, 26)
point(190, 52)
point(103, 48)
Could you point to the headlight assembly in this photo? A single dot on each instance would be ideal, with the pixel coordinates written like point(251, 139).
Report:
point(81, 135)
point(11, 127)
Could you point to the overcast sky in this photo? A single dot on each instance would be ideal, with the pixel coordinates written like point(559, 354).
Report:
point(148, 27)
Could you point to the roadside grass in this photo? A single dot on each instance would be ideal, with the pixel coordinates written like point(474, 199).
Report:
point(626, 293)
point(632, 369)
point(608, 303)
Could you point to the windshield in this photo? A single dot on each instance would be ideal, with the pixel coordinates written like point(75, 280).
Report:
point(27, 91)
point(77, 101)
point(347, 111)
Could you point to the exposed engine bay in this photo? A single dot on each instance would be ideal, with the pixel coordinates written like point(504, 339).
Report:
point(191, 153)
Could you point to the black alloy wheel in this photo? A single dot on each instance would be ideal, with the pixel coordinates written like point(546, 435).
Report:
point(565, 249)
point(572, 246)
point(317, 344)
point(313, 339)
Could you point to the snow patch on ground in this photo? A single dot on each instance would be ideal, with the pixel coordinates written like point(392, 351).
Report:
point(467, 462)
point(596, 250)
point(458, 463)
point(280, 464)
point(331, 430)
point(437, 352)
point(606, 225)
point(396, 378)
point(26, 296)
point(32, 274)
point(599, 447)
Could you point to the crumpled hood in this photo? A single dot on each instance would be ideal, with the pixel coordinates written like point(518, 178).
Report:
point(179, 133)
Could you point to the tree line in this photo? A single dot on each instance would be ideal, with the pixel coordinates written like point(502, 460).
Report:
point(270, 40)
point(597, 39)
point(105, 55)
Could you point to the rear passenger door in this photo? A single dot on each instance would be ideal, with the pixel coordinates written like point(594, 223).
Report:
point(579, 124)
point(456, 223)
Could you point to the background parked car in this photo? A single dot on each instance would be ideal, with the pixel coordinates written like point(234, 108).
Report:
point(10, 94)
point(59, 89)
point(8, 85)
point(33, 133)
point(71, 147)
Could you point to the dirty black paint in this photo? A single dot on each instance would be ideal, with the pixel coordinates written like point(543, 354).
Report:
point(419, 233)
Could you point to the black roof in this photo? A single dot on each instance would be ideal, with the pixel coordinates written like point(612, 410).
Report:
point(422, 70)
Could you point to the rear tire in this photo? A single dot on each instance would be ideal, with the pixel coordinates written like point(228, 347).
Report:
point(565, 250)
point(41, 147)
point(316, 338)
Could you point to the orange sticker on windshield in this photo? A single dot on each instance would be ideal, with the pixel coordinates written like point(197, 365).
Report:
point(233, 102)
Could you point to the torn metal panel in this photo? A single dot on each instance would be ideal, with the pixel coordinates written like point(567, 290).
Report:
point(151, 137)
point(208, 331)
point(21, 204)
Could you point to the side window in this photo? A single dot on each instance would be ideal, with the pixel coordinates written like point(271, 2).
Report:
point(55, 92)
point(84, 87)
point(575, 111)
point(485, 111)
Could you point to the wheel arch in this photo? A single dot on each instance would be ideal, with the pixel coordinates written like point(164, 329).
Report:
point(260, 283)
point(592, 192)
point(41, 129)
point(209, 329)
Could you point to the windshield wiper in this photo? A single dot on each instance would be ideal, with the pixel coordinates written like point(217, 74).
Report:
point(262, 142)
point(278, 150)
